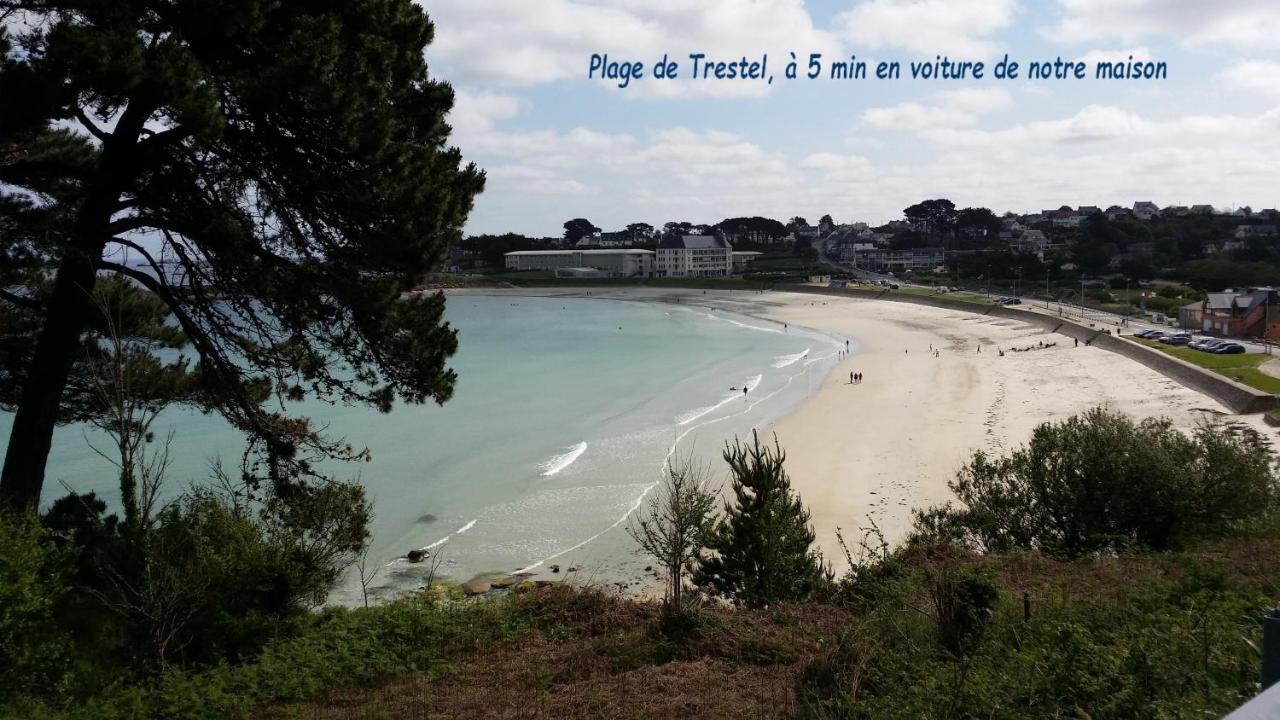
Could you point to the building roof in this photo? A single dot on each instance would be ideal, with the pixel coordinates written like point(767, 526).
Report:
point(1220, 300)
point(694, 242)
point(622, 251)
point(745, 253)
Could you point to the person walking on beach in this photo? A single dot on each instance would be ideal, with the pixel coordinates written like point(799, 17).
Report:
point(1077, 341)
point(744, 391)
point(850, 378)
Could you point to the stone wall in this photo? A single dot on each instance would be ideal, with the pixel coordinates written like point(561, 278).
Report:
point(1240, 398)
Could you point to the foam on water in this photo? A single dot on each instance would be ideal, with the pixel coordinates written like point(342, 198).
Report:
point(563, 460)
point(784, 360)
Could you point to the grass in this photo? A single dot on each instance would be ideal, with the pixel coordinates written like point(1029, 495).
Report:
point(1241, 368)
point(1109, 636)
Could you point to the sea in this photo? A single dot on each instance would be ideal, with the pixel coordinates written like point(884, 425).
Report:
point(565, 415)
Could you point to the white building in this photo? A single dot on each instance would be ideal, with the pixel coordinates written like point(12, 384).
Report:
point(615, 263)
point(694, 256)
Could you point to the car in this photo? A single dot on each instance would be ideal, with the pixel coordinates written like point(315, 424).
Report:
point(1146, 334)
point(1176, 339)
point(1228, 349)
point(893, 286)
point(1200, 343)
point(1014, 301)
point(1211, 346)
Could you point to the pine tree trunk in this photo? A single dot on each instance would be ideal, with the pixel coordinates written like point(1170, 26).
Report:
point(37, 412)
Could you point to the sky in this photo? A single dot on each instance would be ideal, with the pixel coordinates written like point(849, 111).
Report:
point(557, 145)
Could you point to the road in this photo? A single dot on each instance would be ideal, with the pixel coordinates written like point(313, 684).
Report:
point(1127, 325)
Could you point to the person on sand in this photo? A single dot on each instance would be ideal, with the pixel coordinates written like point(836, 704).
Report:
point(850, 378)
point(744, 391)
point(1077, 341)
point(979, 348)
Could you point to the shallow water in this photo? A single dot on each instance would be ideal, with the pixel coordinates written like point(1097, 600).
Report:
point(564, 415)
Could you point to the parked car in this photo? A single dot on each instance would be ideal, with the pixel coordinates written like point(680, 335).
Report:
point(1014, 301)
point(1228, 349)
point(1176, 339)
point(1200, 343)
point(1214, 345)
point(1152, 334)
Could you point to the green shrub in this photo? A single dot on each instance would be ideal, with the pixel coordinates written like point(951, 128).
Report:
point(33, 579)
point(1100, 480)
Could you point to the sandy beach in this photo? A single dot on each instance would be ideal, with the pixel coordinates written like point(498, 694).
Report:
point(877, 450)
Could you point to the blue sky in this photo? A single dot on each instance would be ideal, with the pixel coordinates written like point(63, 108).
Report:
point(557, 145)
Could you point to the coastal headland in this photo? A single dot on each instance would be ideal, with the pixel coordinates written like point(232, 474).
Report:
point(935, 388)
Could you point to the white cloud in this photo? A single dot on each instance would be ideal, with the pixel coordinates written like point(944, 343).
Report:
point(945, 109)
point(1099, 155)
point(475, 112)
point(1137, 54)
point(959, 27)
point(1254, 76)
point(517, 42)
point(1234, 23)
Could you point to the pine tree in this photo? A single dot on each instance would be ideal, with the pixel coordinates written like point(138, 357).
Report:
point(761, 550)
point(276, 172)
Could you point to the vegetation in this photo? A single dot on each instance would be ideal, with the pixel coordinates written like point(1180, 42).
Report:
point(761, 550)
point(675, 525)
point(1101, 481)
point(279, 202)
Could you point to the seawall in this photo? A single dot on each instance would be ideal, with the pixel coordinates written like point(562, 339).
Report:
point(1237, 396)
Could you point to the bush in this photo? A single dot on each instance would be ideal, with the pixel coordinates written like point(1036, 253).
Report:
point(33, 579)
point(1100, 480)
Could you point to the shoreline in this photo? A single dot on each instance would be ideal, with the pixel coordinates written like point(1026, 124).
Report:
point(873, 453)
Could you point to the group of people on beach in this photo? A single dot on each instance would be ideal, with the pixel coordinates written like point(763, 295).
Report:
point(855, 378)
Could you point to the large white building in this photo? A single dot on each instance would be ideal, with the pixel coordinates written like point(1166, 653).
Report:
point(614, 263)
point(694, 256)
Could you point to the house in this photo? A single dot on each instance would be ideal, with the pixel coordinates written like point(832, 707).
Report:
point(1067, 218)
point(1087, 210)
point(1201, 209)
point(613, 263)
point(1144, 210)
point(1175, 211)
point(1244, 232)
point(1031, 242)
point(1234, 313)
point(1115, 211)
point(694, 256)
point(1191, 316)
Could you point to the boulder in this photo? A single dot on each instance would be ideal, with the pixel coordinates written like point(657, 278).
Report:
point(476, 587)
point(555, 568)
point(417, 556)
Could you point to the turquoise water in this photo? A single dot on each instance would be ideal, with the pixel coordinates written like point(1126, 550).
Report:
point(565, 411)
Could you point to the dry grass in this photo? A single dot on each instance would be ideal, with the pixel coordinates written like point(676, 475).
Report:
point(586, 654)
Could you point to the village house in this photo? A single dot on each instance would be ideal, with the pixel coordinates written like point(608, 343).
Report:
point(1144, 210)
point(1241, 314)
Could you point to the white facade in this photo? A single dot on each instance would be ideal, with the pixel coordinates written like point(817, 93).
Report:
point(616, 263)
point(694, 256)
